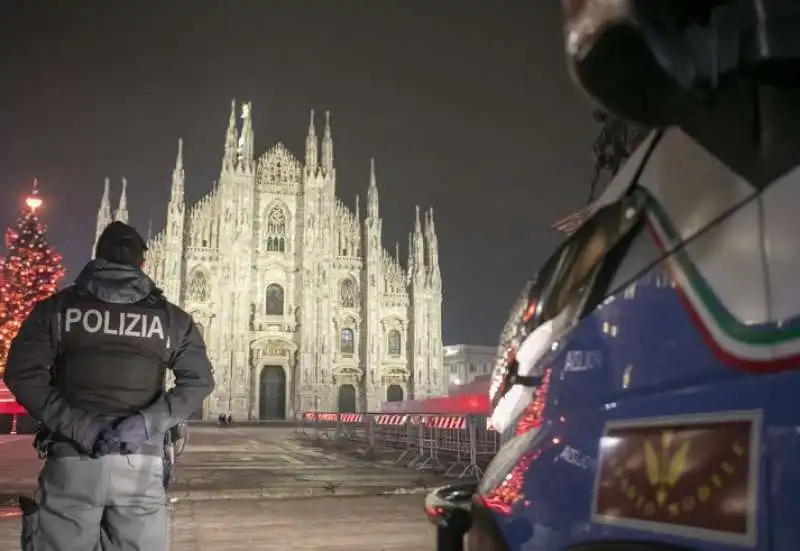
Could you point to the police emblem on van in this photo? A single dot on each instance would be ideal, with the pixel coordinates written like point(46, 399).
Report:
point(694, 476)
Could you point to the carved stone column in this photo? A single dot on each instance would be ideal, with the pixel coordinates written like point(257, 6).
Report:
point(255, 387)
point(292, 383)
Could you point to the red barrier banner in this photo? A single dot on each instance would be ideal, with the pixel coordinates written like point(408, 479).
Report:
point(8, 404)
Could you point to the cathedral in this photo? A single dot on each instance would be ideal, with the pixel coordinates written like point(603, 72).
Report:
point(300, 305)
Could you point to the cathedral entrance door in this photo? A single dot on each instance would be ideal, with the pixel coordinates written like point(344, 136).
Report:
point(394, 393)
point(347, 399)
point(272, 398)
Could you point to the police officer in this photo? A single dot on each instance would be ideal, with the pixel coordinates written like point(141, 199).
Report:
point(89, 364)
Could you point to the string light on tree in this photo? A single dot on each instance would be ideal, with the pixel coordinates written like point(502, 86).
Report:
point(29, 271)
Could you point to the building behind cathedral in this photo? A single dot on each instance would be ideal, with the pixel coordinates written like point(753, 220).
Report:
point(300, 305)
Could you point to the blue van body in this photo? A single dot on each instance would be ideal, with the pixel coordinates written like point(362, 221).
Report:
point(672, 413)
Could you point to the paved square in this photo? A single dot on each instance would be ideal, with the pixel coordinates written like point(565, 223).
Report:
point(269, 462)
point(390, 523)
point(259, 489)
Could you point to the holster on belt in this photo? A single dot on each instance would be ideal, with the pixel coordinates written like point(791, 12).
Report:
point(168, 458)
point(43, 440)
point(30, 518)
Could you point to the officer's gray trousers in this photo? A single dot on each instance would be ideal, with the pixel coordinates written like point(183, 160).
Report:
point(113, 503)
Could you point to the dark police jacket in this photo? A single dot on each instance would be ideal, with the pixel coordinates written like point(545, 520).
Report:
point(100, 348)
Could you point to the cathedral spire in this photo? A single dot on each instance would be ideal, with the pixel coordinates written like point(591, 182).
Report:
point(105, 201)
point(312, 158)
point(103, 213)
point(244, 150)
point(432, 246)
point(372, 192)
point(122, 210)
point(149, 229)
point(327, 145)
point(410, 263)
point(178, 176)
point(179, 158)
point(231, 141)
point(419, 247)
point(358, 207)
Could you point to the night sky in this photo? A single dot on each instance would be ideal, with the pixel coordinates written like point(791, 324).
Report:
point(465, 104)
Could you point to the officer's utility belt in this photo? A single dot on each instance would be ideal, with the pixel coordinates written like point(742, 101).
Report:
point(43, 440)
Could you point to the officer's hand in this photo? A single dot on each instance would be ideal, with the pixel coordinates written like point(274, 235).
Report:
point(107, 443)
point(86, 435)
point(132, 433)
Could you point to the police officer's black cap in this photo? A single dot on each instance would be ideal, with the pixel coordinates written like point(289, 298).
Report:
point(121, 244)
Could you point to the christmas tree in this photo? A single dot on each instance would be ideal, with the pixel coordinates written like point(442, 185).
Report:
point(29, 272)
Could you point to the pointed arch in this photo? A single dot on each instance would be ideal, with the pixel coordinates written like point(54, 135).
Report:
point(197, 289)
point(348, 294)
point(276, 225)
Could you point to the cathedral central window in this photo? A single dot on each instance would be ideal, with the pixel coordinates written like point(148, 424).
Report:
point(394, 343)
point(347, 293)
point(347, 342)
point(197, 289)
point(274, 301)
point(276, 230)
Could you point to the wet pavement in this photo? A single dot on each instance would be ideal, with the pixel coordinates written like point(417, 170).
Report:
point(384, 523)
point(269, 463)
point(19, 467)
point(258, 488)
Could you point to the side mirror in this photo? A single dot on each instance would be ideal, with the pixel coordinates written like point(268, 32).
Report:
point(448, 509)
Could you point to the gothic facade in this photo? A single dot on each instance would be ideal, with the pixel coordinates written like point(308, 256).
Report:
point(300, 305)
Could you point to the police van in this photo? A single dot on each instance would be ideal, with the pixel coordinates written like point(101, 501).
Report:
point(649, 401)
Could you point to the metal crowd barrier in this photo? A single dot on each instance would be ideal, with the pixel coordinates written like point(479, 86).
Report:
point(459, 446)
